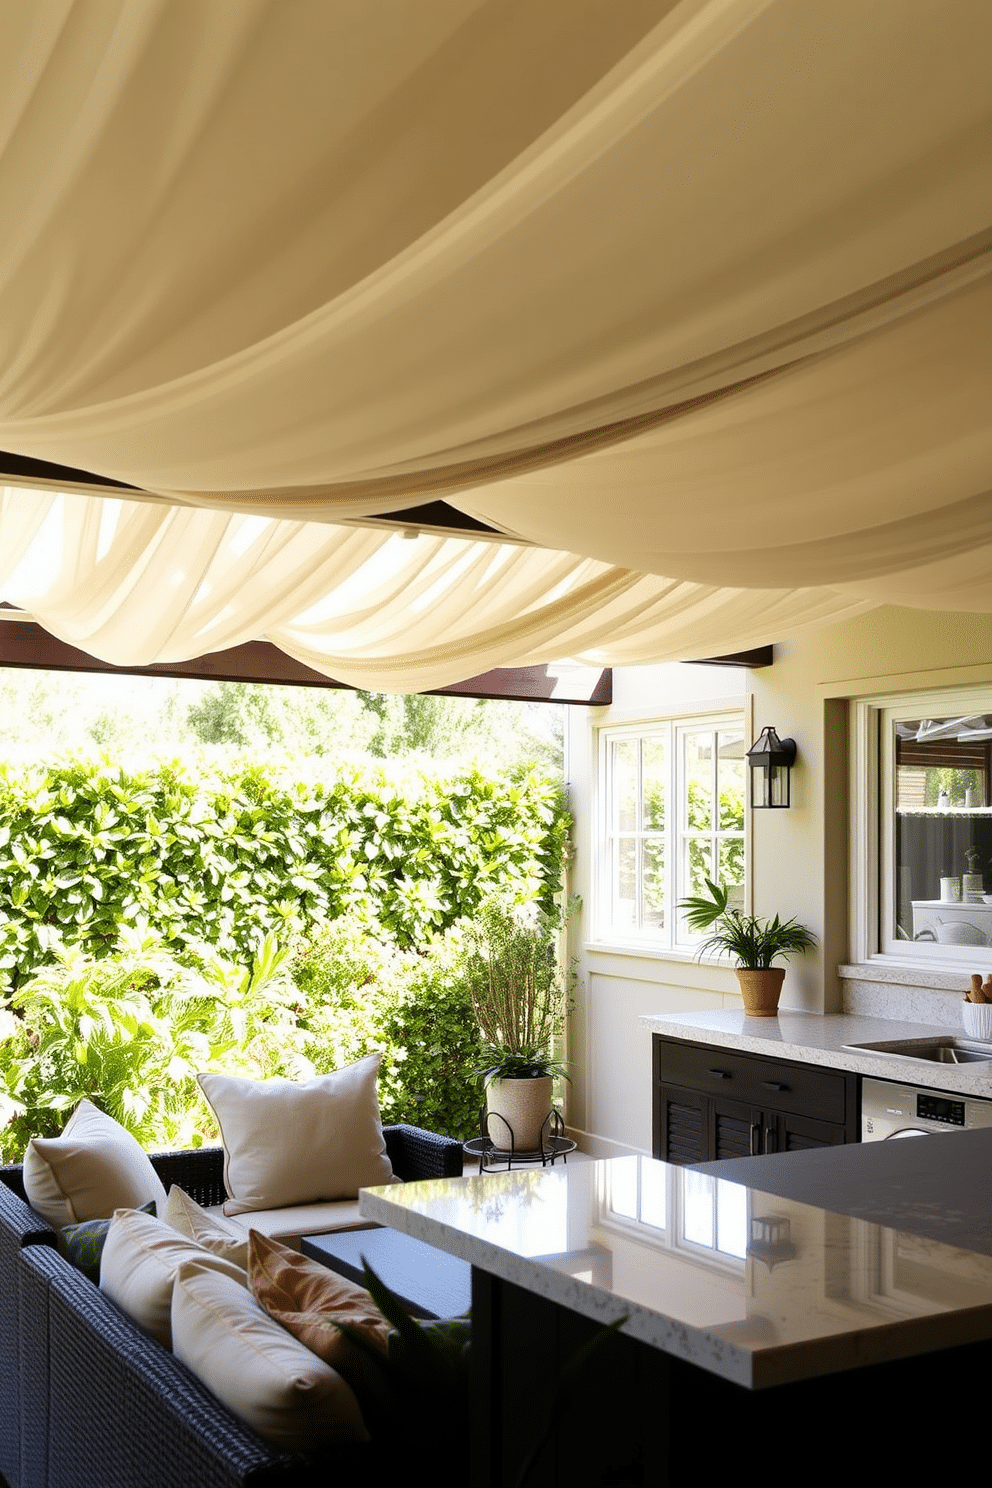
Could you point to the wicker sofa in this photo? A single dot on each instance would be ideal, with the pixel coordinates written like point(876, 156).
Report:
point(88, 1400)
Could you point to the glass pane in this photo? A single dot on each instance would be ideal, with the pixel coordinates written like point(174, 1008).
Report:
point(623, 1188)
point(653, 869)
point(731, 870)
point(730, 778)
point(943, 830)
point(699, 781)
point(624, 911)
point(624, 774)
point(697, 1215)
point(654, 1177)
point(653, 767)
point(698, 864)
point(731, 1218)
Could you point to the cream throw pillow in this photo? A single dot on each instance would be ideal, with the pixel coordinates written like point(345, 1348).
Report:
point(289, 1396)
point(185, 1215)
point(308, 1299)
point(299, 1143)
point(93, 1168)
point(141, 1257)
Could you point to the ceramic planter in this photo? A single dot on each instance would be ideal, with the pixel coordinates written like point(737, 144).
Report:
point(520, 1107)
point(761, 990)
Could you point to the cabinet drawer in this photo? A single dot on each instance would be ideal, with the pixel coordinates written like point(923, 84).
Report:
point(773, 1084)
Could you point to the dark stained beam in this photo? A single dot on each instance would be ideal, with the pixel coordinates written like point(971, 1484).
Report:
point(24, 643)
point(758, 656)
point(24, 470)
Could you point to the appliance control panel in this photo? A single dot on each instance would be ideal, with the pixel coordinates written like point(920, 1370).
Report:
point(940, 1108)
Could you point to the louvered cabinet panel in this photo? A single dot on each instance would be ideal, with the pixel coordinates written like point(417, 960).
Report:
point(736, 1130)
point(681, 1120)
point(798, 1134)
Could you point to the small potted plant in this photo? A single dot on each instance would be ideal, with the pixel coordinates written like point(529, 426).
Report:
point(519, 996)
point(754, 943)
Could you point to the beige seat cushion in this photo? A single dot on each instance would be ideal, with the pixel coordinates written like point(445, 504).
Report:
point(260, 1372)
point(290, 1224)
point(93, 1168)
point(299, 1143)
point(309, 1300)
point(141, 1257)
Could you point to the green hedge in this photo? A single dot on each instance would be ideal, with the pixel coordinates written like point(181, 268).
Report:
point(224, 857)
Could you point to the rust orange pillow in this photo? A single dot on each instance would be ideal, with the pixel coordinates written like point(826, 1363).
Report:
point(307, 1299)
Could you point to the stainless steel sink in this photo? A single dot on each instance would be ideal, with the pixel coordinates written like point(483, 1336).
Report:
point(941, 1049)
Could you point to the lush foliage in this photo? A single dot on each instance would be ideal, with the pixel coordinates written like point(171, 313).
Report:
point(132, 1030)
point(158, 922)
point(753, 942)
point(517, 989)
point(87, 848)
point(361, 992)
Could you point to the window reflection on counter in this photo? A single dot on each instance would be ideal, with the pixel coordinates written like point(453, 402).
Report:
point(681, 1210)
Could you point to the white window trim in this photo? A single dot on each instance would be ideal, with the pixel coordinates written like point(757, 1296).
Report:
point(606, 937)
point(871, 834)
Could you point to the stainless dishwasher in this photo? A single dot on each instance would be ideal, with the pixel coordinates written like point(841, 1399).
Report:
point(889, 1110)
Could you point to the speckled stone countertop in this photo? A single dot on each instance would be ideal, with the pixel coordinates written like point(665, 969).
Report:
point(674, 1251)
point(813, 1038)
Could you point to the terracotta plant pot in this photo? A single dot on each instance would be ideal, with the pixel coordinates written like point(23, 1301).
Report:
point(761, 990)
point(519, 1107)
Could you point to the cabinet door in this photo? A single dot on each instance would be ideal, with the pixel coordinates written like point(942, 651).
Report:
point(681, 1125)
point(736, 1130)
point(786, 1132)
point(692, 1128)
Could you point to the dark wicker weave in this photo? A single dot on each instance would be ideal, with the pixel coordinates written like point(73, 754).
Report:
point(416, 1153)
point(19, 1226)
point(121, 1410)
point(87, 1400)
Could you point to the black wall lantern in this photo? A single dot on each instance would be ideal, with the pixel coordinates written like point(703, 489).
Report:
point(771, 760)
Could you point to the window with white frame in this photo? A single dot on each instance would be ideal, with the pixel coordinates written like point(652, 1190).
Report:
point(924, 873)
point(673, 816)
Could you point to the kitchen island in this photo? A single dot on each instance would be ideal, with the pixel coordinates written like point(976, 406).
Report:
point(742, 1307)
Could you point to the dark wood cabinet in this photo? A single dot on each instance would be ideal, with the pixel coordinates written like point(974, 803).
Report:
point(712, 1103)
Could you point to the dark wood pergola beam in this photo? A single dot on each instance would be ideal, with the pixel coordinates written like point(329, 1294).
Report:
point(24, 643)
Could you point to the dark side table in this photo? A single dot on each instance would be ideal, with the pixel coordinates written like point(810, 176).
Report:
point(429, 1283)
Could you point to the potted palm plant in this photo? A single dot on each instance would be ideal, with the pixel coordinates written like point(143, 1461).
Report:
point(519, 994)
point(753, 942)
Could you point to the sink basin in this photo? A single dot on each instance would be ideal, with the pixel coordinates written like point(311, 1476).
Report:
point(941, 1049)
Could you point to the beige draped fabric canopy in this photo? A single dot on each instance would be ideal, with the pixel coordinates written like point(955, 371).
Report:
point(691, 300)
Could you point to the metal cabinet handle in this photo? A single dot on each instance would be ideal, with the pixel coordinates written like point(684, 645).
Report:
point(770, 1145)
point(755, 1138)
point(719, 1074)
point(773, 1085)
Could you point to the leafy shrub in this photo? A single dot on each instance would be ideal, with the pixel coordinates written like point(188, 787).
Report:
point(87, 847)
point(132, 1030)
point(363, 993)
point(147, 919)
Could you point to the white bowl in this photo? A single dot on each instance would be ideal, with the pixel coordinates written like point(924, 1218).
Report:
point(959, 932)
point(977, 1019)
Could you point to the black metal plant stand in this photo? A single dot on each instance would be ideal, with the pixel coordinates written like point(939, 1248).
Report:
point(491, 1155)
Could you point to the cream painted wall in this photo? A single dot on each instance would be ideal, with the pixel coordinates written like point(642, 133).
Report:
point(609, 1101)
point(799, 858)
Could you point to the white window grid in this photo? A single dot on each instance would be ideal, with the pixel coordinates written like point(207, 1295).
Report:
point(671, 844)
